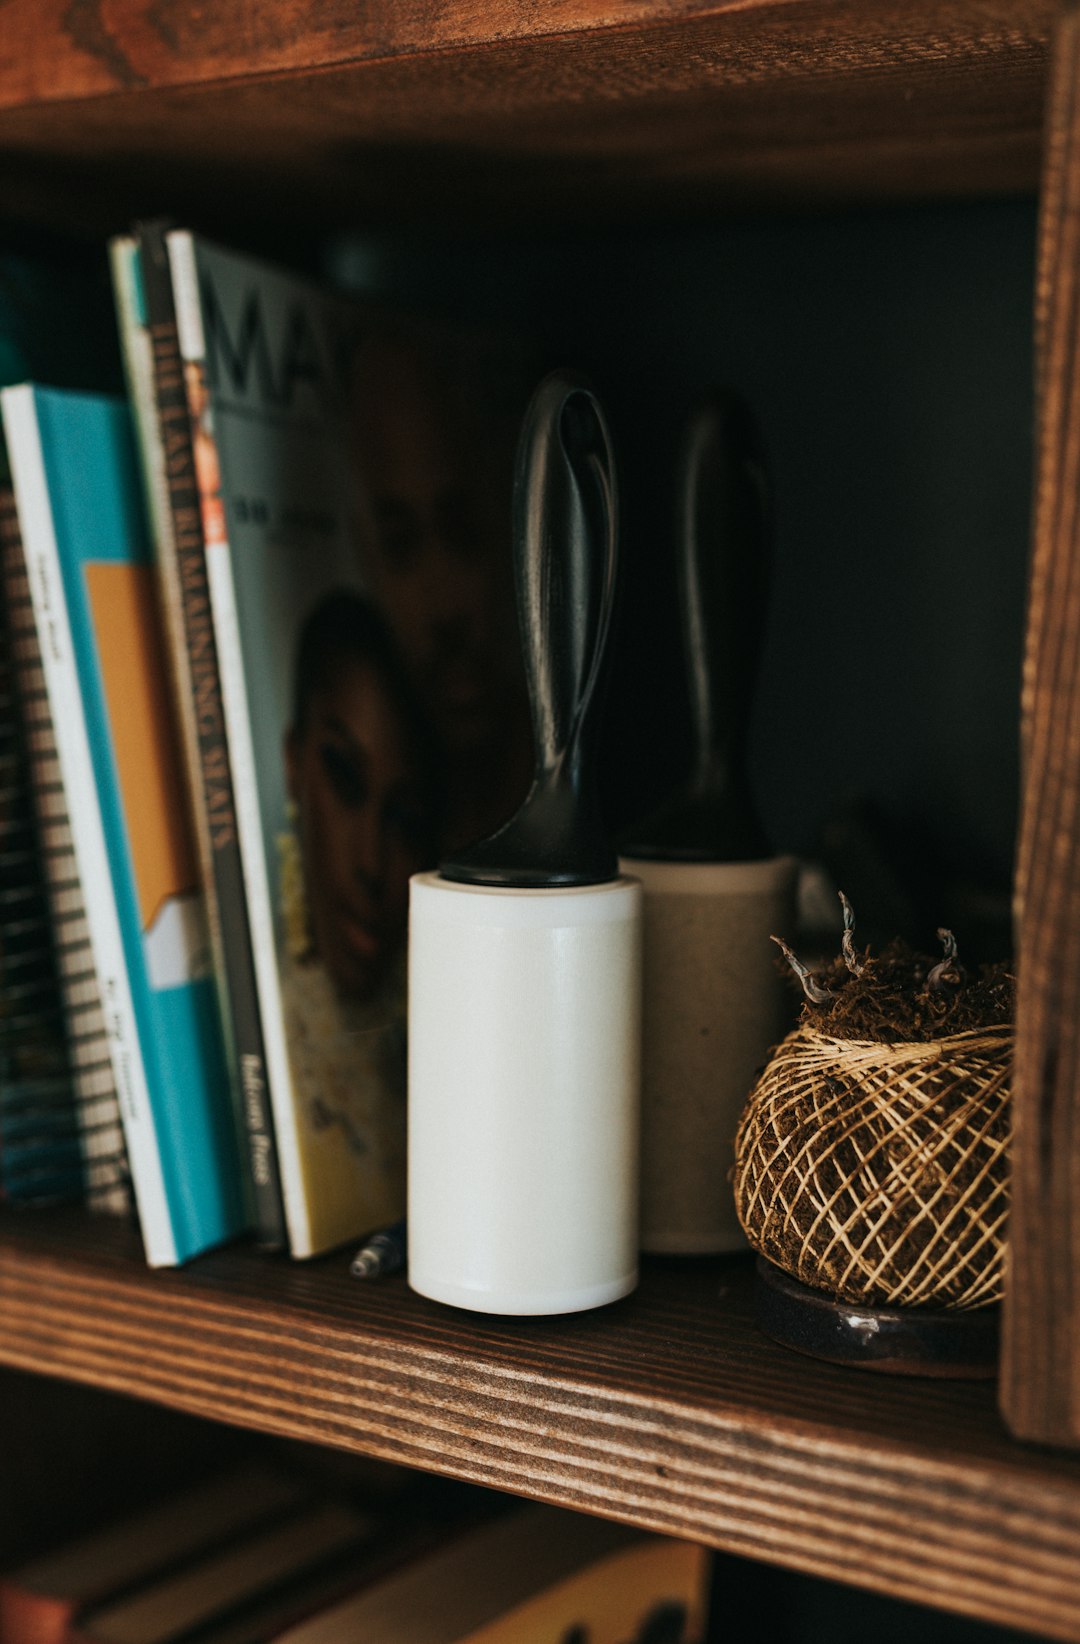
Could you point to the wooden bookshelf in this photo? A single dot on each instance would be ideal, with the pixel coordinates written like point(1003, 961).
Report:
point(510, 112)
point(668, 1410)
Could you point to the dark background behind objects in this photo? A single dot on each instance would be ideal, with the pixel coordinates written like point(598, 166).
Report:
point(762, 1604)
point(887, 355)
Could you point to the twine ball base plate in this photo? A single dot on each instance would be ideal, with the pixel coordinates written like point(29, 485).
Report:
point(895, 1340)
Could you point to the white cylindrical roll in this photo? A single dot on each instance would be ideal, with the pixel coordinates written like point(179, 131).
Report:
point(715, 1002)
point(524, 1094)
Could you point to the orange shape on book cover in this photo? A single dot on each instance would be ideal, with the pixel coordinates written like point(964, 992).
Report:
point(131, 647)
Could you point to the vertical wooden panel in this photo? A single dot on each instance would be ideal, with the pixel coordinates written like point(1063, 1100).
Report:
point(1040, 1387)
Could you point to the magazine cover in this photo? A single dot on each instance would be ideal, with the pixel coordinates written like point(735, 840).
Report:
point(355, 480)
point(436, 415)
point(326, 754)
point(77, 490)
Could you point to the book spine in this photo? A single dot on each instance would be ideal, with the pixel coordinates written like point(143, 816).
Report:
point(97, 1105)
point(138, 359)
point(241, 756)
point(87, 824)
point(183, 563)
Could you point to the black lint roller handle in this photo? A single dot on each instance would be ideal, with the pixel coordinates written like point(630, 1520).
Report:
point(723, 553)
point(565, 556)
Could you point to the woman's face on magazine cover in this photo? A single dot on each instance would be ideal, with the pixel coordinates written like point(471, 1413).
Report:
point(355, 779)
point(434, 562)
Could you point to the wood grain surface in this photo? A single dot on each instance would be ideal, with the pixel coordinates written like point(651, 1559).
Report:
point(60, 49)
point(1041, 1349)
point(668, 1410)
point(408, 111)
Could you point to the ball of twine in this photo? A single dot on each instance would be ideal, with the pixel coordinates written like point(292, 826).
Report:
point(879, 1172)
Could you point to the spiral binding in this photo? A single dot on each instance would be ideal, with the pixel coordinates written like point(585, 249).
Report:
point(60, 1128)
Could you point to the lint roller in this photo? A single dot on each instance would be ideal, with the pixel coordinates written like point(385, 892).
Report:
point(525, 950)
point(713, 890)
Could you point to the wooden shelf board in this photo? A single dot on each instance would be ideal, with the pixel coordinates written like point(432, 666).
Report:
point(668, 1410)
point(506, 112)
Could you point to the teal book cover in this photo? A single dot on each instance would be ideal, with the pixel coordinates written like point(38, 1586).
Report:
point(113, 610)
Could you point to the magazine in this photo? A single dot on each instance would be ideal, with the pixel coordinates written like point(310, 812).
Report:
point(355, 473)
point(323, 767)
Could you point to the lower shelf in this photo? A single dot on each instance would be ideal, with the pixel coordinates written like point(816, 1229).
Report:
point(668, 1410)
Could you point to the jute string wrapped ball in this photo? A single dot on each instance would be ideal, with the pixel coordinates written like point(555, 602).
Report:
point(878, 1169)
point(879, 1172)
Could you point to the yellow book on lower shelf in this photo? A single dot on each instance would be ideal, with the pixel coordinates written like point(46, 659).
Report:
point(535, 1576)
point(654, 1592)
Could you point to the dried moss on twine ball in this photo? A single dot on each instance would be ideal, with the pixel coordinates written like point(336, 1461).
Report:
point(872, 1157)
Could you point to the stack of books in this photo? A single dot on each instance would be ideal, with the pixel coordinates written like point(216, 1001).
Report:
point(217, 778)
point(254, 1556)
